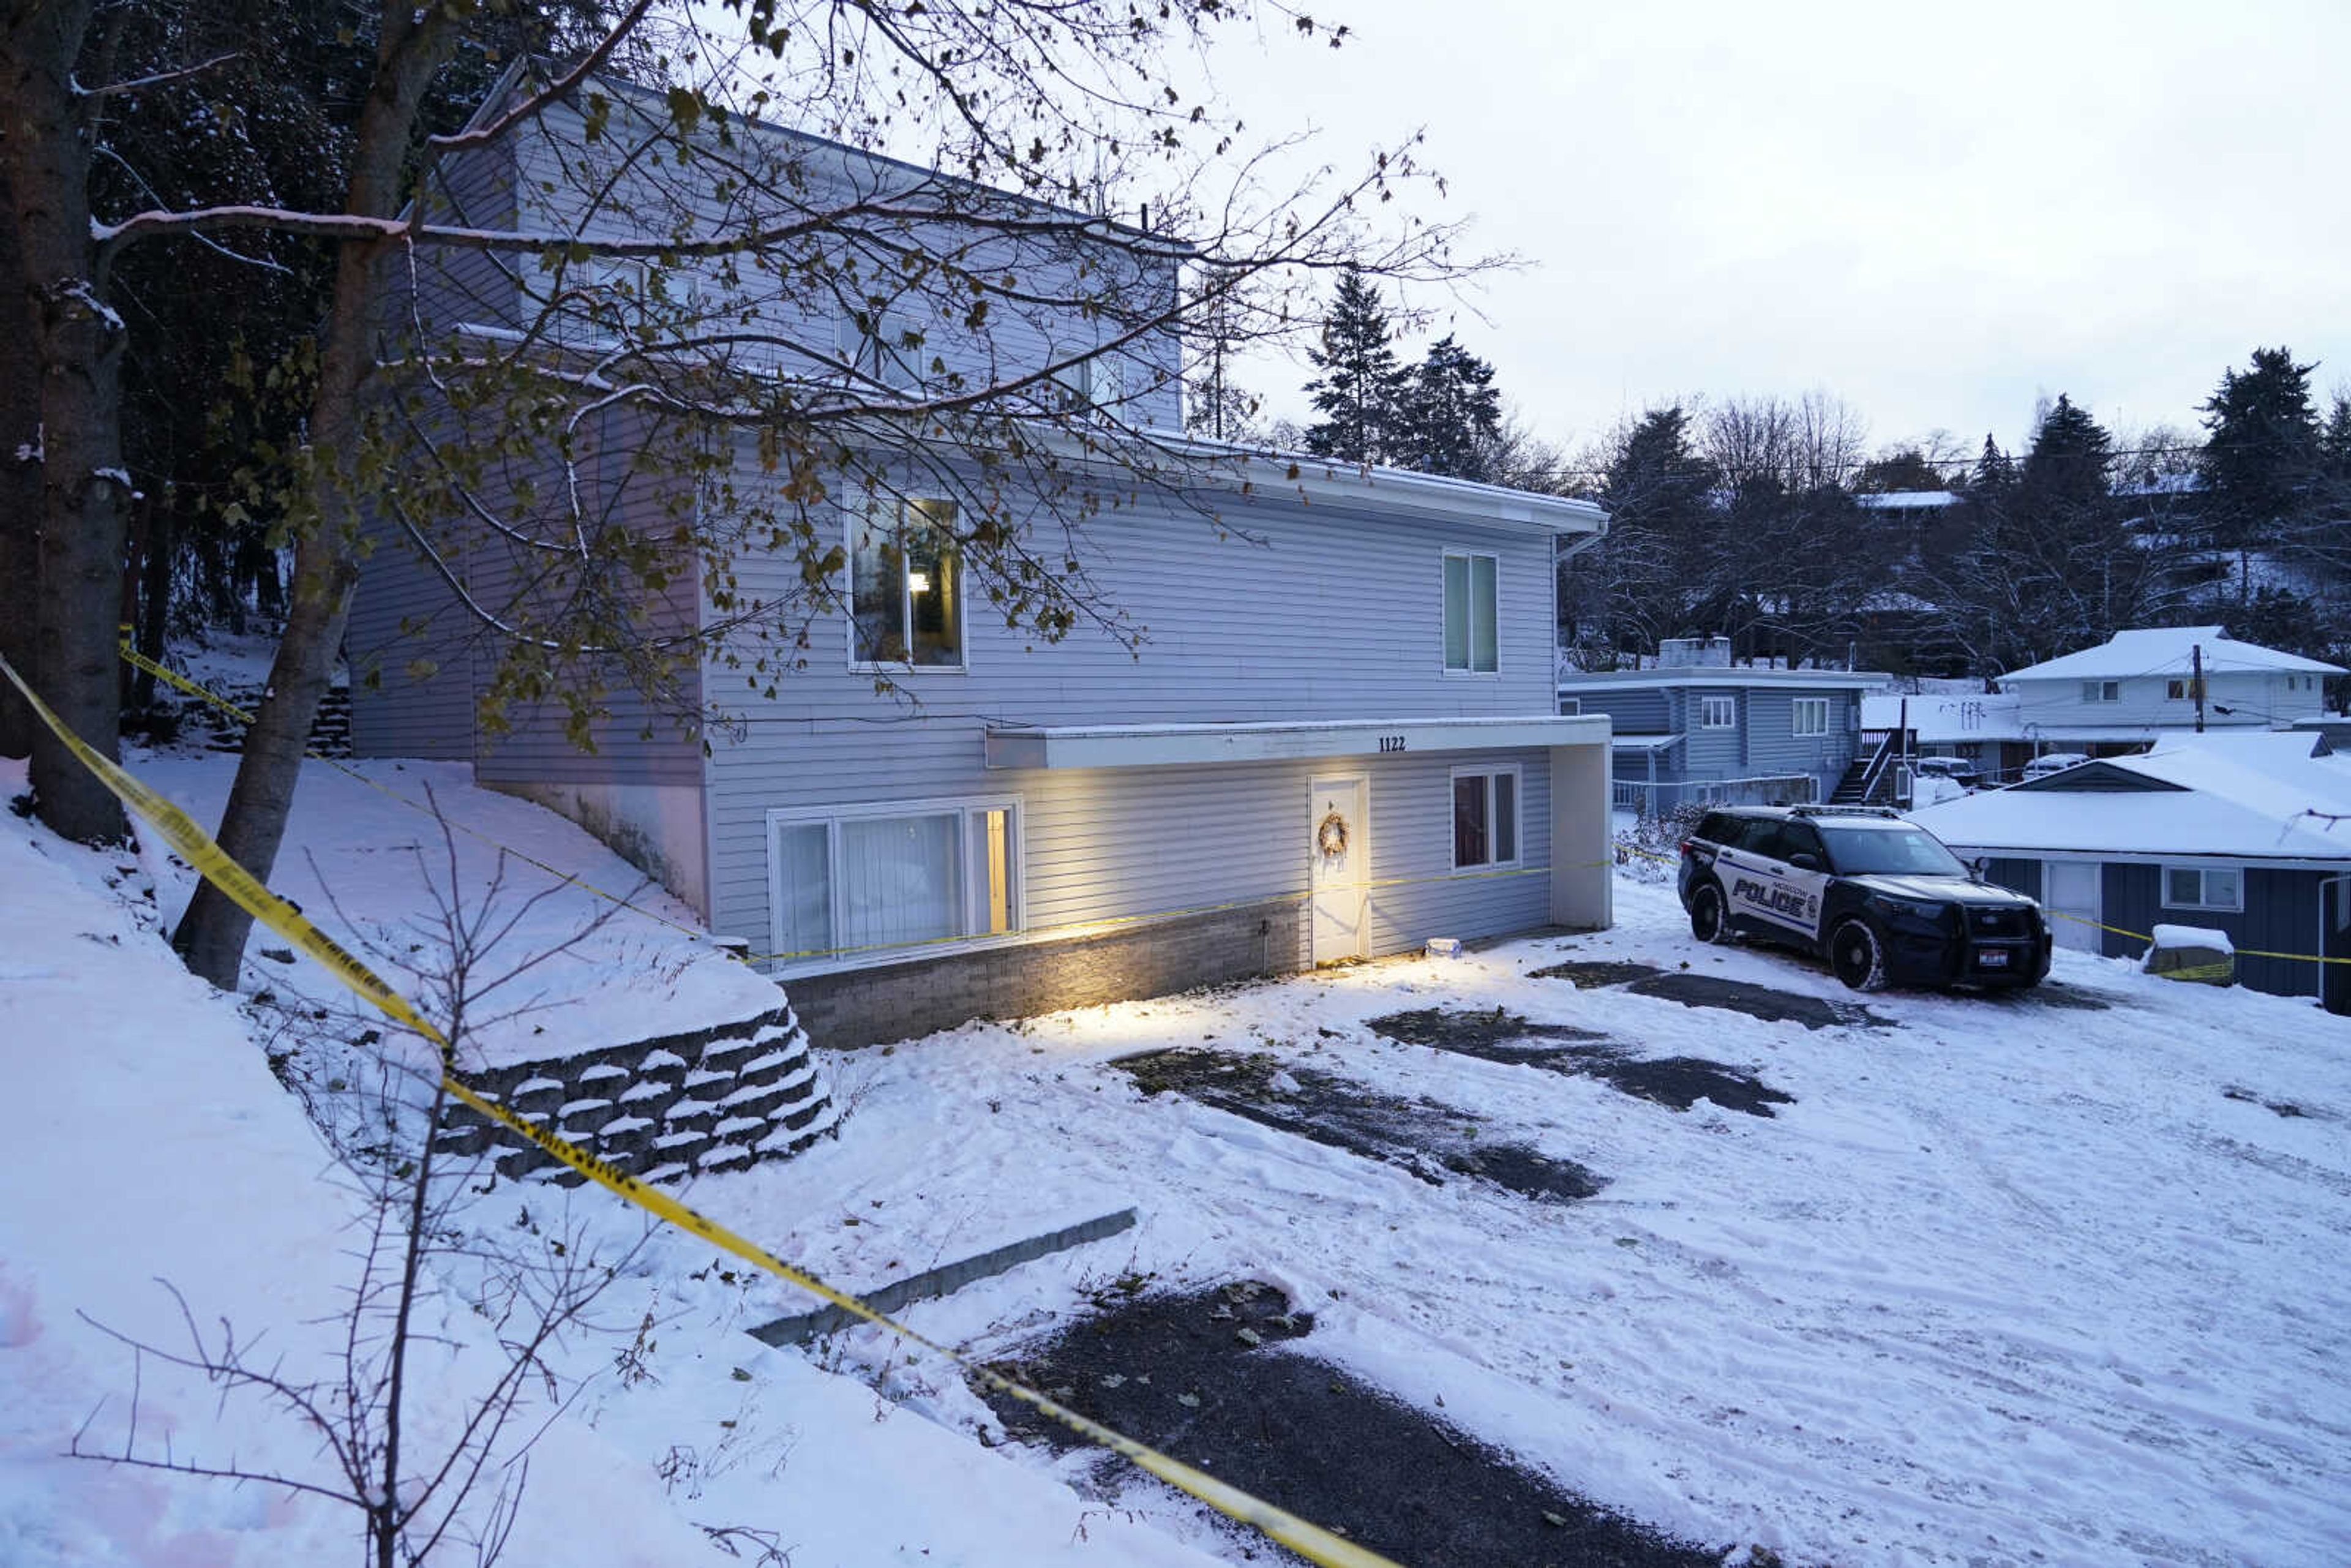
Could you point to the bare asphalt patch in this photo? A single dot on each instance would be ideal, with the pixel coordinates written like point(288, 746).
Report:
point(1679, 1082)
point(1417, 1135)
point(1712, 992)
point(1198, 1376)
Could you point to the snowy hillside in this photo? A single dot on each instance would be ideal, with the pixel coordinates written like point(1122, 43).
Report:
point(154, 1147)
point(2045, 1279)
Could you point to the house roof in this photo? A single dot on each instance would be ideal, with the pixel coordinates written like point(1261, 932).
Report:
point(2167, 651)
point(1906, 501)
point(2242, 796)
point(1576, 682)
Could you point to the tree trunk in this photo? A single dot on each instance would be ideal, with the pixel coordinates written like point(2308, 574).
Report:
point(20, 480)
point(211, 936)
point(78, 342)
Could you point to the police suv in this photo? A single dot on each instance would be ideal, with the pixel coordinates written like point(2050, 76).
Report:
point(1880, 898)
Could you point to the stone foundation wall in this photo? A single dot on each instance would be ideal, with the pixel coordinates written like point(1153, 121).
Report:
point(898, 1001)
point(664, 1109)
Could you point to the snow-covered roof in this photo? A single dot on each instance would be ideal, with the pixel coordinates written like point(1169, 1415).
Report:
point(2167, 651)
point(1907, 501)
point(2244, 795)
point(1573, 682)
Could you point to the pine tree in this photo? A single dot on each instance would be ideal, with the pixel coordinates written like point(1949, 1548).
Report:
point(1361, 392)
point(2066, 469)
point(2264, 449)
point(1452, 413)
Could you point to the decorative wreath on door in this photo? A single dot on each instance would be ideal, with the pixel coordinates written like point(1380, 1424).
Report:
point(1331, 838)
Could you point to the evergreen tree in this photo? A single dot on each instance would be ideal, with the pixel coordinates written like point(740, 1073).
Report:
point(2066, 469)
point(2264, 451)
point(1361, 392)
point(1451, 414)
point(2335, 442)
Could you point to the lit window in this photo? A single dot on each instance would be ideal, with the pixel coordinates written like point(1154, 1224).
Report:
point(2179, 691)
point(1485, 818)
point(1812, 716)
point(1717, 713)
point(2203, 887)
point(867, 881)
point(905, 587)
point(2101, 691)
point(1470, 646)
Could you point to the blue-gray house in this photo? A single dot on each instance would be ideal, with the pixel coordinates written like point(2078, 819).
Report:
point(2246, 833)
point(1697, 729)
point(1337, 738)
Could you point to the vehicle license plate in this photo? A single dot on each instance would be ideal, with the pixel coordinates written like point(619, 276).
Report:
point(1993, 958)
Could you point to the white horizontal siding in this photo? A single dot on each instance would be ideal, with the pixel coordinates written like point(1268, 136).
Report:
point(1103, 844)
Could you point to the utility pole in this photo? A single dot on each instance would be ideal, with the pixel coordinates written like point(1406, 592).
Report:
point(2195, 681)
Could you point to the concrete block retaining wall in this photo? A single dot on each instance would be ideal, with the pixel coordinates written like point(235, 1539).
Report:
point(852, 1007)
point(715, 1099)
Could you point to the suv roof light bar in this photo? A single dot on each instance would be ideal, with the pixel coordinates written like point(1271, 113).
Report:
point(1844, 811)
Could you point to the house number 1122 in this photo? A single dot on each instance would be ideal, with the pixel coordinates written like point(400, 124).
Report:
point(1392, 743)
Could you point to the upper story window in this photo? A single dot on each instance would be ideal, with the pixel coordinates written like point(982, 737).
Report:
point(1717, 713)
point(1471, 645)
point(1485, 818)
point(2101, 691)
point(883, 348)
point(2203, 887)
point(1810, 717)
point(601, 298)
point(905, 587)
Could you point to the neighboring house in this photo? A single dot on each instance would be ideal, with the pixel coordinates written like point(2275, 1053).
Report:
point(1338, 739)
point(2230, 830)
point(1986, 728)
point(2141, 685)
point(2135, 689)
point(1697, 728)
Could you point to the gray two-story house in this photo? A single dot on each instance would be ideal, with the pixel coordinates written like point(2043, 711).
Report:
point(1335, 739)
point(1695, 728)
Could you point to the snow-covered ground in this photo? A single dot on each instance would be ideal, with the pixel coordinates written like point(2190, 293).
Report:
point(2008, 1283)
point(150, 1144)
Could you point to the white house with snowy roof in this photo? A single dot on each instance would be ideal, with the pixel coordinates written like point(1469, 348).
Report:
point(2241, 832)
point(2138, 685)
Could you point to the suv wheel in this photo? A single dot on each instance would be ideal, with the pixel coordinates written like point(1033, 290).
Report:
point(1856, 956)
point(1709, 917)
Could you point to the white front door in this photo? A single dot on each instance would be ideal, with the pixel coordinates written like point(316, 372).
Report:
point(1339, 852)
point(2071, 888)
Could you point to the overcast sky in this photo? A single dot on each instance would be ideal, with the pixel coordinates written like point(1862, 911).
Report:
point(1939, 214)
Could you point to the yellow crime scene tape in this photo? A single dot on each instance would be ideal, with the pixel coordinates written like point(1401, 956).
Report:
point(178, 681)
point(2241, 952)
point(195, 846)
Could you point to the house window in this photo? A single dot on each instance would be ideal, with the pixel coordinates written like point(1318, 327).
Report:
point(2180, 690)
point(1485, 818)
point(1717, 713)
point(1811, 716)
point(600, 299)
point(1572, 707)
point(905, 587)
point(2101, 691)
point(1470, 646)
point(884, 349)
point(865, 879)
point(2203, 887)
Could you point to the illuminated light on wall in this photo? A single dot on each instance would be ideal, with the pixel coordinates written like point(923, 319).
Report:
point(919, 582)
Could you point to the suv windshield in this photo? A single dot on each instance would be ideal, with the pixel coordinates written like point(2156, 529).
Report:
point(1902, 851)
